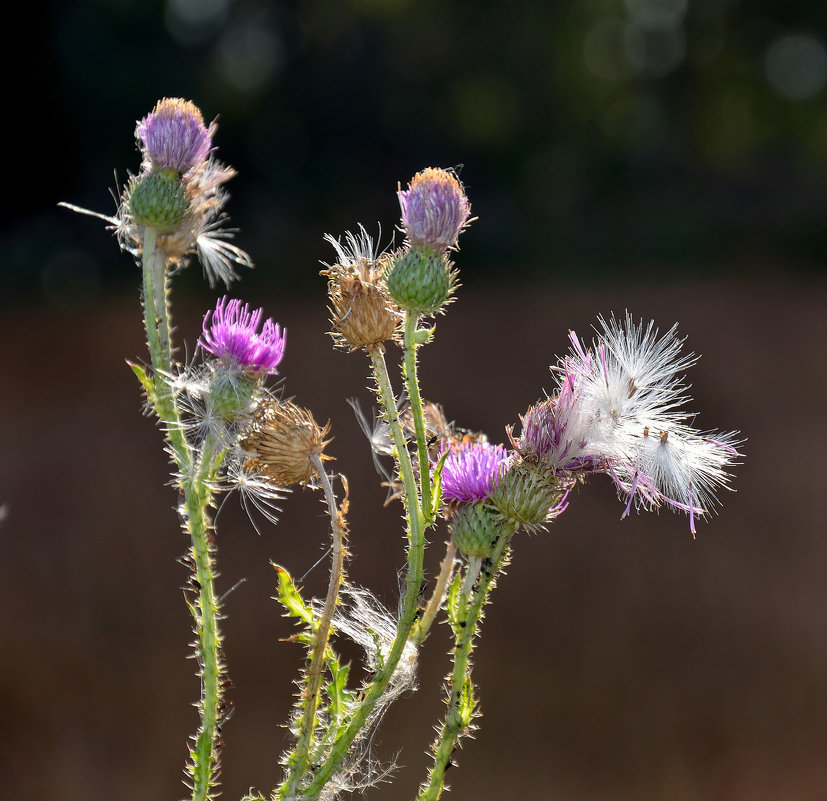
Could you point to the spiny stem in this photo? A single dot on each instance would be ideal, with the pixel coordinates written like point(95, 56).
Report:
point(299, 759)
point(195, 486)
point(197, 497)
point(460, 704)
point(412, 387)
point(413, 581)
point(445, 571)
point(162, 306)
point(151, 322)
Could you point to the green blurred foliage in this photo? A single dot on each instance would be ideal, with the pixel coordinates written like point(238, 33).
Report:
point(600, 139)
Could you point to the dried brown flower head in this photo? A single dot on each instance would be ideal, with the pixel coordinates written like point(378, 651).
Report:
point(362, 312)
point(281, 441)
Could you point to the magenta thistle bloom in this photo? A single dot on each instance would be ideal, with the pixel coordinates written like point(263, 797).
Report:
point(471, 471)
point(231, 333)
point(174, 135)
point(434, 209)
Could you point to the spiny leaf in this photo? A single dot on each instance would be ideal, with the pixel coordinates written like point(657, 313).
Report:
point(436, 497)
point(145, 380)
point(424, 335)
point(340, 697)
point(291, 600)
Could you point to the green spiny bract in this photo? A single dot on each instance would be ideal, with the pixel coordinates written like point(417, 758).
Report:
point(527, 494)
point(421, 280)
point(475, 528)
point(158, 200)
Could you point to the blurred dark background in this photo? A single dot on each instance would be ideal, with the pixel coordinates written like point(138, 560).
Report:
point(663, 156)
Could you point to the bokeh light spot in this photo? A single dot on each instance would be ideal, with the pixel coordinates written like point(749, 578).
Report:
point(249, 55)
point(796, 66)
point(603, 50)
point(657, 13)
point(190, 22)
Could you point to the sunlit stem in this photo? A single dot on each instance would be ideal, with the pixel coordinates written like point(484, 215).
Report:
point(195, 477)
point(460, 703)
point(412, 388)
point(444, 577)
point(197, 498)
point(413, 582)
point(321, 636)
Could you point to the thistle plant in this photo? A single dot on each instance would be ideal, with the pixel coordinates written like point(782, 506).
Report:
point(616, 409)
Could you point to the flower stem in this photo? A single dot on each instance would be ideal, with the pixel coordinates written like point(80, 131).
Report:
point(412, 387)
point(195, 476)
point(197, 496)
point(445, 571)
point(300, 757)
point(413, 582)
point(461, 703)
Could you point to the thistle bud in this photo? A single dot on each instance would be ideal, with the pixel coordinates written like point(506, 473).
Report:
point(281, 441)
point(434, 209)
point(528, 494)
point(158, 200)
point(421, 280)
point(475, 529)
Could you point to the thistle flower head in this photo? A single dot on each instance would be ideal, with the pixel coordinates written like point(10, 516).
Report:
point(362, 312)
point(173, 135)
point(283, 442)
point(434, 209)
point(471, 470)
point(617, 411)
point(231, 332)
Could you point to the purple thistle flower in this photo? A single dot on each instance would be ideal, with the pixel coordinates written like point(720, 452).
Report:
point(174, 136)
point(471, 470)
point(231, 333)
point(434, 209)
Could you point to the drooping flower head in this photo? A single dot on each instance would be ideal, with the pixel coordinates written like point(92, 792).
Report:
point(231, 332)
point(617, 411)
point(434, 209)
point(173, 136)
point(471, 470)
point(284, 444)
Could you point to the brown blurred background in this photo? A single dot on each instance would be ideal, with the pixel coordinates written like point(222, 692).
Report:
point(662, 156)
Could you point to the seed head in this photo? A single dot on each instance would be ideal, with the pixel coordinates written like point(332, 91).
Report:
point(173, 135)
point(281, 441)
point(362, 312)
point(434, 209)
point(231, 332)
point(617, 411)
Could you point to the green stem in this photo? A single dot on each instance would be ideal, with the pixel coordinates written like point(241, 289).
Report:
point(413, 582)
point(195, 474)
point(300, 757)
point(412, 387)
point(197, 496)
point(151, 322)
point(460, 703)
